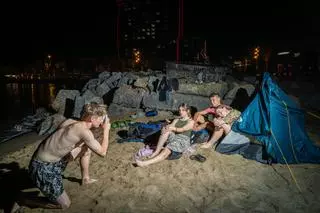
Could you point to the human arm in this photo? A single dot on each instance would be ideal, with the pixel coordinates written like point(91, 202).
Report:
point(197, 114)
point(93, 144)
point(167, 127)
point(187, 127)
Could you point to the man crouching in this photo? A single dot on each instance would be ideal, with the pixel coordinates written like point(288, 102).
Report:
point(72, 139)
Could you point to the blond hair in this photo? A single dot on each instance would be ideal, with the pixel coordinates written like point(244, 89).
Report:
point(94, 109)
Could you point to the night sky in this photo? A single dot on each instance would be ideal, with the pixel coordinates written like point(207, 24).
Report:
point(30, 31)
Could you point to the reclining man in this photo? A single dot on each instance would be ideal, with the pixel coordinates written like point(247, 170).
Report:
point(226, 116)
point(71, 140)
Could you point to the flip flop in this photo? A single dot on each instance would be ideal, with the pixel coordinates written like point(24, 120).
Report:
point(198, 158)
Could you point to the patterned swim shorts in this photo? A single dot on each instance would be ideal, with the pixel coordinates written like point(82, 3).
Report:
point(47, 177)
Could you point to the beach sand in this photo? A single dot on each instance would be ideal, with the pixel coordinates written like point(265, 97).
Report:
point(220, 184)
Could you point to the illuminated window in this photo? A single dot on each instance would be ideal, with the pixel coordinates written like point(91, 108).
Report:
point(158, 21)
point(153, 37)
point(157, 13)
point(143, 30)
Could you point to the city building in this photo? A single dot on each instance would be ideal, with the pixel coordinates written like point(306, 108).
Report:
point(148, 27)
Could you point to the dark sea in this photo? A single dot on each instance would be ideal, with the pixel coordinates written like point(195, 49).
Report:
point(22, 99)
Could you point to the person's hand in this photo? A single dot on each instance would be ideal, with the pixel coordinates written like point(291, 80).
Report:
point(218, 122)
point(172, 128)
point(106, 124)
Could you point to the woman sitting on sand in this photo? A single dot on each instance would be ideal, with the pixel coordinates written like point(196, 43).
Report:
point(177, 135)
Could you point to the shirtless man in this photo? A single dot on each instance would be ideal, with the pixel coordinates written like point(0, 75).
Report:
point(200, 121)
point(71, 140)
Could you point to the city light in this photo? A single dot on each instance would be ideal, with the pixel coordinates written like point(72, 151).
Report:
point(256, 53)
point(283, 53)
point(136, 56)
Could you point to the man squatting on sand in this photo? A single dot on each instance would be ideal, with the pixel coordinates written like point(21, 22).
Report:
point(71, 140)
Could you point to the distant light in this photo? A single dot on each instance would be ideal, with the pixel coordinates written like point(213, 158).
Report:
point(283, 53)
point(296, 55)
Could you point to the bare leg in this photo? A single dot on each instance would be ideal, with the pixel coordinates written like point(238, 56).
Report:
point(160, 157)
point(217, 134)
point(163, 138)
point(84, 164)
point(63, 202)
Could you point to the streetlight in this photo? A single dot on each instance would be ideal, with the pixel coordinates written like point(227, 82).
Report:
point(256, 55)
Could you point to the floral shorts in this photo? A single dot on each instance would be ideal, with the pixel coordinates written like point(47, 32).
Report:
point(47, 177)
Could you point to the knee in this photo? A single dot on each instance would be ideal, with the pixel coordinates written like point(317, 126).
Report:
point(88, 152)
point(85, 152)
point(64, 201)
point(66, 204)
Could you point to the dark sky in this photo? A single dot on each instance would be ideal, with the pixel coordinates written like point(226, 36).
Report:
point(32, 30)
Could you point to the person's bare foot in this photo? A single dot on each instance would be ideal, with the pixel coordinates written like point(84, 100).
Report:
point(86, 181)
point(153, 155)
point(140, 163)
point(206, 145)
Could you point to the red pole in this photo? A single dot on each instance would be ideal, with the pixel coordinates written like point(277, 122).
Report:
point(179, 33)
point(119, 5)
point(118, 33)
point(182, 18)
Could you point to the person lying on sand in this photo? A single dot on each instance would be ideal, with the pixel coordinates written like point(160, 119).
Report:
point(71, 140)
point(176, 136)
point(227, 115)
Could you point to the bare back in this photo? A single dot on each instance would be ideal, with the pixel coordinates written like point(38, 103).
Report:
point(69, 136)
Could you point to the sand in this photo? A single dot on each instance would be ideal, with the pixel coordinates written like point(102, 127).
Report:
point(221, 184)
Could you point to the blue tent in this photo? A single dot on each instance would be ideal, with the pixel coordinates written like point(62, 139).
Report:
point(277, 122)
